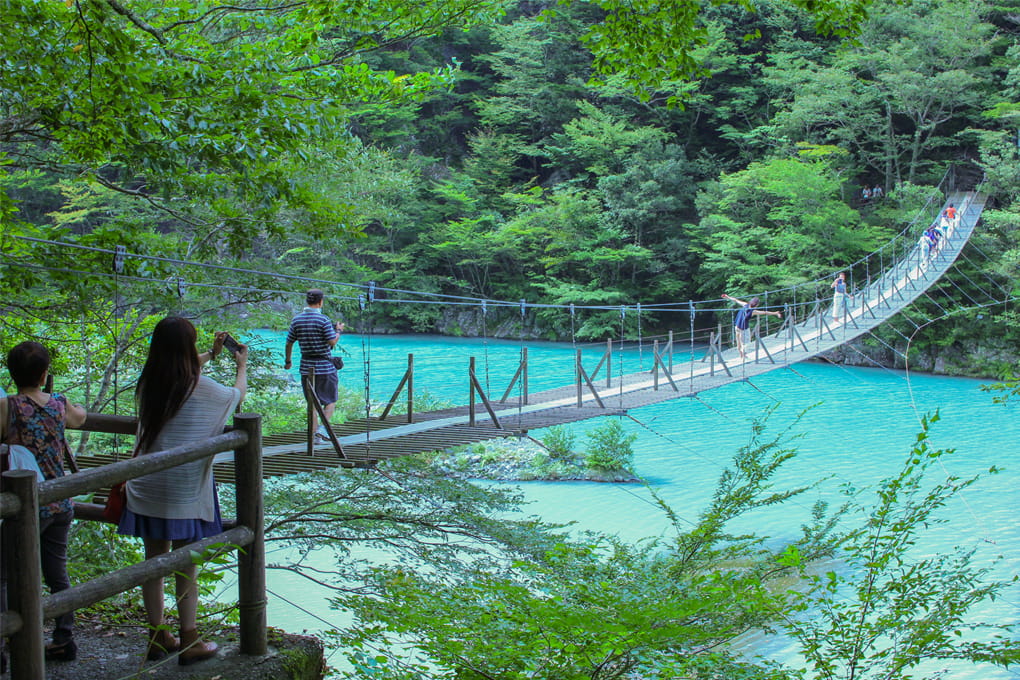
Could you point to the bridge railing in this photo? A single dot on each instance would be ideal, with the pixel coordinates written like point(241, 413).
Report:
point(22, 495)
point(862, 273)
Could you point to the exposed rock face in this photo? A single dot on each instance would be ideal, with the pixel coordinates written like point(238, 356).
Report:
point(958, 359)
point(469, 322)
point(991, 358)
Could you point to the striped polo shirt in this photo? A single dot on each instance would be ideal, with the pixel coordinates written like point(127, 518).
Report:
point(312, 331)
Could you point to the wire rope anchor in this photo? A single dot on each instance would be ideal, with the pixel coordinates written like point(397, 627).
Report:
point(119, 253)
point(177, 284)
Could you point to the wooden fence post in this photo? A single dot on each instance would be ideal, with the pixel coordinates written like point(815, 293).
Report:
point(471, 392)
point(609, 362)
point(410, 388)
point(251, 561)
point(524, 375)
point(577, 375)
point(24, 585)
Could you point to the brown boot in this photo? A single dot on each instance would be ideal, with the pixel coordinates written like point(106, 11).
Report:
point(193, 649)
point(161, 643)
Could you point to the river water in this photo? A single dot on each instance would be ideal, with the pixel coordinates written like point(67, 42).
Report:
point(857, 426)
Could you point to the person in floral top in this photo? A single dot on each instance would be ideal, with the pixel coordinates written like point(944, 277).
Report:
point(36, 420)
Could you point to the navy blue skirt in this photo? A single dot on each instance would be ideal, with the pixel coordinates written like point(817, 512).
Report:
point(160, 528)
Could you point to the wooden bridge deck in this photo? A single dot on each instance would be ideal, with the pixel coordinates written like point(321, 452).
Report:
point(365, 442)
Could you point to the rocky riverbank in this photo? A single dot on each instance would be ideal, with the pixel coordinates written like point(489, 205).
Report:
point(520, 460)
point(991, 361)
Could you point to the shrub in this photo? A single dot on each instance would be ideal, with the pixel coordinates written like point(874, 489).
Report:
point(559, 441)
point(610, 448)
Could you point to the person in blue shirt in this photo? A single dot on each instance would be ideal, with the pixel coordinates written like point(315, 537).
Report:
point(316, 335)
point(742, 322)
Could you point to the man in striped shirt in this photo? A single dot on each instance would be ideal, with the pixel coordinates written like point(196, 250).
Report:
point(316, 335)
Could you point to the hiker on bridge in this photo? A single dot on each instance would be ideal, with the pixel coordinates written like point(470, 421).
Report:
point(839, 297)
point(36, 420)
point(178, 406)
point(316, 336)
point(949, 219)
point(934, 237)
point(742, 323)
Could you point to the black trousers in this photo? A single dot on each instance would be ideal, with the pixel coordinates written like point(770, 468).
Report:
point(53, 533)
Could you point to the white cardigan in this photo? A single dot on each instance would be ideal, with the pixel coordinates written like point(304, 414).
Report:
point(186, 491)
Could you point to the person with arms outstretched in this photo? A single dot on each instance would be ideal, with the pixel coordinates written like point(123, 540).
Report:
point(742, 323)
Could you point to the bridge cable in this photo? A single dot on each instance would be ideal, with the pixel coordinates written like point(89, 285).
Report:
point(521, 394)
point(118, 269)
point(886, 344)
point(906, 317)
point(913, 403)
point(365, 307)
point(748, 382)
point(697, 397)
point(641, 352)
point(876, 364)
point(927, 294)
point(712, 460)
point(837, 436)
point(331, 625)
point(485, 348)
point(956, 268)
point(895, 330)
point(841, 367)
point(276, 275)
point(623, 339)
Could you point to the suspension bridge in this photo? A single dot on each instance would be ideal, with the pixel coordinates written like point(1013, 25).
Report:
point(684, 364)
point(906, 271)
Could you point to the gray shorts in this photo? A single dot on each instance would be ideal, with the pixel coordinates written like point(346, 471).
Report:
point(744, 334)
point(327, 388)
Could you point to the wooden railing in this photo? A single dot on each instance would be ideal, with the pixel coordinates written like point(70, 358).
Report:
point(22, 624)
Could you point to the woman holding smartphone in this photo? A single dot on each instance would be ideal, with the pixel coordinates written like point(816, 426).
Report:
point(177, 405)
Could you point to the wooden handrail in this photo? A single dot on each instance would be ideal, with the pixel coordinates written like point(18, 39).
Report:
point(408, 380)
point(114, 582)
point(111, 424)
point(20, 505)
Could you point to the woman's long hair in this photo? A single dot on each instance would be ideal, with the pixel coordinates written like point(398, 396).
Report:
point(170, 374)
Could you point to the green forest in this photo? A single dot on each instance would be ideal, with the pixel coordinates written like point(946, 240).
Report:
point(215, 160)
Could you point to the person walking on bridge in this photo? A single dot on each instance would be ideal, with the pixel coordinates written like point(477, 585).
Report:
point(949, 220)
point(839, 297)
point(742, 323)
point(316, 336)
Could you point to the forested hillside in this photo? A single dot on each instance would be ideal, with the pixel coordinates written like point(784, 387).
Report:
point(490, 158)
point(215, 160)
point(495, 161)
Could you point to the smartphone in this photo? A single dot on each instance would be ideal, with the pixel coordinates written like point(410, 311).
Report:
point(232, 345)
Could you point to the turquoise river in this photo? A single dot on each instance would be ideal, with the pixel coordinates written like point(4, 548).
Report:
point(862, 423)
